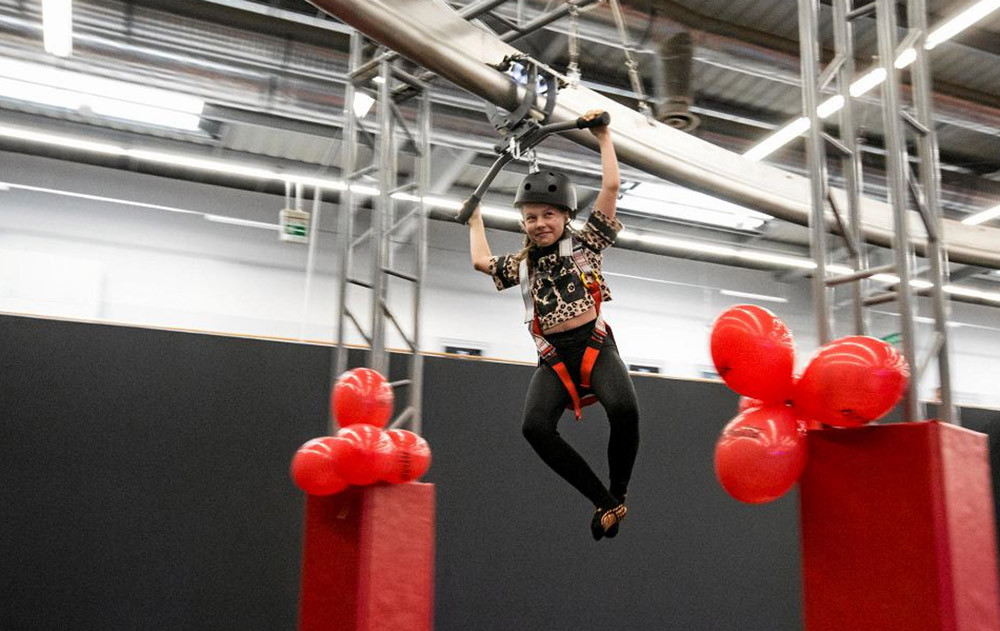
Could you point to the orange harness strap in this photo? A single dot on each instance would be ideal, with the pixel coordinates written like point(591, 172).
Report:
point(548, 352)
point(596, 339)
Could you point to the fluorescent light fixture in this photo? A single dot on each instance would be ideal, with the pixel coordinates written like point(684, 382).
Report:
point(960, 22)
point(502, 213)
point(743, 294)
point(875, 77)
point(679, 244)
point(236, 221)
point(868, 81)
point(220, 166)
point(892, 279)
point(927, 320)
point(924, 319)
point(308, 180)
point(362, 104)
point(800, 125)
point(783, 260)
point(778, 139)
point(905, 58)
point(158, 116)
point(4, 186)
point(57, 27)
point(442, 202)
point(70, 142)
point(214, 166)
point(839, 269)
point(674, 202)
point(86, 84)
point(885, 278)
point(362, 189)
point(405, 197)
point(64, 89)
point(830, 106)
point(203, 164)
point(981, 217)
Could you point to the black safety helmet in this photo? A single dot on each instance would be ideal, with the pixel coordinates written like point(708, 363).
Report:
point(547, 187)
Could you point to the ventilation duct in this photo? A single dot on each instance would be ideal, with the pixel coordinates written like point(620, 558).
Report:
point(672, 83)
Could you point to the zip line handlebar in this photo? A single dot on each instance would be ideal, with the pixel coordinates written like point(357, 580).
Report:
point(528, 141)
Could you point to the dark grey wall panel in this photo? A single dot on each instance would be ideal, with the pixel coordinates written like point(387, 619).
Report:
point(514, 545)
point(145, 480)
point(145, 485)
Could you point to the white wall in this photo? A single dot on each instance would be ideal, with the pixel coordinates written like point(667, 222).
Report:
point(83, 258)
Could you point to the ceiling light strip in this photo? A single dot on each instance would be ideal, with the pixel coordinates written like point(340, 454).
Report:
point(744, 294)
point(57, 27)
point(873, 78)
point(982, 217)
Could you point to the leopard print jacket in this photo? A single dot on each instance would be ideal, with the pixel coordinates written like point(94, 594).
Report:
point(558, 292)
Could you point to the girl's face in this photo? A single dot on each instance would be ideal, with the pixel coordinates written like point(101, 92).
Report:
point(543, 224)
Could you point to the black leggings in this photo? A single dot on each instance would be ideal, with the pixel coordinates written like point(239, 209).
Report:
point(547, 399)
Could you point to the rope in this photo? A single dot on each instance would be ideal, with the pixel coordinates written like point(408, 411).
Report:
point(630, 63)
point(573, 70)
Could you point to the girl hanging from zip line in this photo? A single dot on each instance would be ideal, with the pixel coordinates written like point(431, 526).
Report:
point(559, 272)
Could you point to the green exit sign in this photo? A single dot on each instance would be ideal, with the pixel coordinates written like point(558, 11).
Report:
point(893, 338)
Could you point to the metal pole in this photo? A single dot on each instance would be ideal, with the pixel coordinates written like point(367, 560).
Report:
point(843, 38)
point(544, 20)
point(423, 186)
point(816, 162)
point(310, 259)
point(346, 219)
point(896, 172)
point(930, 180)
point(380, 209)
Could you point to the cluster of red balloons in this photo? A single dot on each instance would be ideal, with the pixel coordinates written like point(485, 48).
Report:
point(361, 452)
point(849, 382)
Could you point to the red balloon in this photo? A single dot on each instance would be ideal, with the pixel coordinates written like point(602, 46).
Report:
point(754, 353)
point(313, 470)
point(360, 453)
point(362, 395)
point(409, 459)
point(760, 454)
point(748, 402)
point(852, 381)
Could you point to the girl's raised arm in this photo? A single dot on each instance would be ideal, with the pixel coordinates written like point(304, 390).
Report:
point(479, 247)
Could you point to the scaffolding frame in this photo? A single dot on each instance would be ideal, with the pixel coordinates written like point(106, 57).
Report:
point(904, 186)
point(398, 218)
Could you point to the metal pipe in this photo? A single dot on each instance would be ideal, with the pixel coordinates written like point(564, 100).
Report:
point(860, 275)
point(470, 12)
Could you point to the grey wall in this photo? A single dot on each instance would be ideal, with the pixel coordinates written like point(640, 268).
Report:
point(88, 258)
